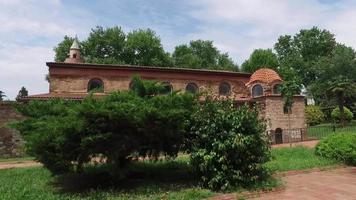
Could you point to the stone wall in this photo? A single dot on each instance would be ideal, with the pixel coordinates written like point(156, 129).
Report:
point(293, 128)
point(11, 144)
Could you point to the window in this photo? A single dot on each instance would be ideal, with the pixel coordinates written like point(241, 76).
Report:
point(224, 89)
point(192, 88)
point(167, 88)
point(277, 89)
point(95, 85)
point(75, 55)
point(257, 90)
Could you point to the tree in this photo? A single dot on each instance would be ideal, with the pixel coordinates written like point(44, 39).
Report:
point(260, 58)
point(2, 95)
point(304, 51)
point(290, 87)
point(22, 93)
point(62, 49)
point(336, 84)
point(65, 135)
point(202, 54)
point(143, 47)
point(228, 145)
point(104, 45)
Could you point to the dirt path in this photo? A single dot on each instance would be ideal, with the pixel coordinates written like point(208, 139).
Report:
point(18, 164)
point(333, 184)
point(310, 144)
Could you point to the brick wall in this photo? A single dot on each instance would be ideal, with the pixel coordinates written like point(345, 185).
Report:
point(272, 112)
point(10, 141)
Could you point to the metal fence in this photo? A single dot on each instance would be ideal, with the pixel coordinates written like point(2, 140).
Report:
point(323, 130)
point(280, 136)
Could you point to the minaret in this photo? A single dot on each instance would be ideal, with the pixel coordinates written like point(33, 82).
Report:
point(74, 53)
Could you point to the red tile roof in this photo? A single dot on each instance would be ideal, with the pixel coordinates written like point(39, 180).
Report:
point(264, 75)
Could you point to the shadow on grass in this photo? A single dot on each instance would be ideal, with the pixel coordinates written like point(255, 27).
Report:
point(142, 177)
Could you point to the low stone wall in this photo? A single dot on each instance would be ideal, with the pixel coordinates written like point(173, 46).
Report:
point(11, 143)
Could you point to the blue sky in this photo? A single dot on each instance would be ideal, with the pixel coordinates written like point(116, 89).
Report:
point(31, 28)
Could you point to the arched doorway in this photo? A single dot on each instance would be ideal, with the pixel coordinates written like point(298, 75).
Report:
point(278, 136)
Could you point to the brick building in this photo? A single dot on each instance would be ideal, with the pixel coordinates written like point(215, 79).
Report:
point(73, 79)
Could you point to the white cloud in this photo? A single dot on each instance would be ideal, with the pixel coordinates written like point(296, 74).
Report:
point(23, 66)
point(241, 26)
point(31, 28)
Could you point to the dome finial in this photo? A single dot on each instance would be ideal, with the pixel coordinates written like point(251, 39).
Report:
point(74, 52)
point(75, 44)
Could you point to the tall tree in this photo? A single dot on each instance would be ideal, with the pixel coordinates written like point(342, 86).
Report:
point(143, 47)
point(104, 45)
point(336, 84)
point(2, 95)
point(62, 49)
point(22, 93)
point(202, 54)
point(260, 58)
point(304, 51)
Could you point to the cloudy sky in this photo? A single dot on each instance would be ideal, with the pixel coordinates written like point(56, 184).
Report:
point(29, 29)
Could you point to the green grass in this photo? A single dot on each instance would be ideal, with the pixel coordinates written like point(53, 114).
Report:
point(19, 159)
point(296, 158)
point(323, 130)
point(147, 180)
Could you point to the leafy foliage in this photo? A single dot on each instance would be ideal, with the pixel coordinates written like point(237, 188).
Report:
point(104, 45)
point(65, 135)
point(22, 93)
point(62, 49)
point(260, 58)
point(336, 114)
point(304, 51)
point(202, 54)
point(2, 95)
point(341, 147)
point(143, 47)
point(228, 145)
point(314, 115)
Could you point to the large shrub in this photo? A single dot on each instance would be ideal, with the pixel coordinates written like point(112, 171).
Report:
point(335, 114)
point(340, 147)
point(228, 145)
point(66, 135)
point(314, 115)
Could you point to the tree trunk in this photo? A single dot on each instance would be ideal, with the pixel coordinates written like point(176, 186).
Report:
point(341, 109)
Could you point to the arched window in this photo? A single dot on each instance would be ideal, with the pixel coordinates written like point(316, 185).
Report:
point(277, 89)
point(192, 88)
point(257, 90)
point(224, 89)
point(167, 88)
point(95, 85)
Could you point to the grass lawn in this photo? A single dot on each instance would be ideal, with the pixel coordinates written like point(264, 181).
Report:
point(296, 158)
point(323, 130)
point(162, 180)
point(146, 180)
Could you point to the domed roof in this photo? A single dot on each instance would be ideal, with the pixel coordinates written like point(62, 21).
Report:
point(264, 75)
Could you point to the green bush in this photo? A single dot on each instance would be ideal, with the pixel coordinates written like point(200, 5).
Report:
point(335, 114)
point(228, 145)
point(341, 147)
point(64, 135)
point(314, 115)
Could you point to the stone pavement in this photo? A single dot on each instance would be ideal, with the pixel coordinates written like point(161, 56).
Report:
point(332, 184)
point(323, 185)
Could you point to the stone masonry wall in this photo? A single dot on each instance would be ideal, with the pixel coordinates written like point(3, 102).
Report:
point(79, 84)
point(276, 118)
point(10, 141)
